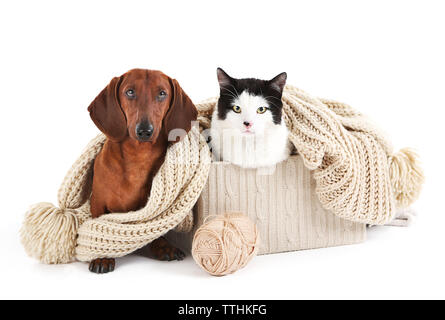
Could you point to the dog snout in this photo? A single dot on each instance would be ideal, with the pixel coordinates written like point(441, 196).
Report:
point(144, 130)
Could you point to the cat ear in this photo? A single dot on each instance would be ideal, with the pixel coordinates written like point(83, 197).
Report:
point(278, 82)
point(223, 78)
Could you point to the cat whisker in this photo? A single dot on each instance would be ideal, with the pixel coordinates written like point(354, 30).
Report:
point(232, 94)
point(229, 91)
point(235, 89)
point(272, 97)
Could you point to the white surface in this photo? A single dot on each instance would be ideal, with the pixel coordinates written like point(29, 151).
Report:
point(385, 58)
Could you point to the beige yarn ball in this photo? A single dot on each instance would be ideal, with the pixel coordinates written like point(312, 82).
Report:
point(225, 244)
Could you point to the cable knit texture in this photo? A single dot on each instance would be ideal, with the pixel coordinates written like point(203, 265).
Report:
point(357, 178)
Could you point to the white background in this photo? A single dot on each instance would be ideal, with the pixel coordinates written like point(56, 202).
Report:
point(385, 58)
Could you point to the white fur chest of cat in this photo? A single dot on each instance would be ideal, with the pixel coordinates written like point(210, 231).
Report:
point(247, 128)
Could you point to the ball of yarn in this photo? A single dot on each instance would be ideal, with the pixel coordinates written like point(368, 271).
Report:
point(225, 244)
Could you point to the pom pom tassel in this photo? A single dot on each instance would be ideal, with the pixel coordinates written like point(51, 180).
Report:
point(406, 177)
point(49, 233)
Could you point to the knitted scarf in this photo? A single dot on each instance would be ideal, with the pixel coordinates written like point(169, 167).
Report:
point(60, 235)
point(357, 177)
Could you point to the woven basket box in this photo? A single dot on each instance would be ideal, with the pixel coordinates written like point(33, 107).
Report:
point(282, 203)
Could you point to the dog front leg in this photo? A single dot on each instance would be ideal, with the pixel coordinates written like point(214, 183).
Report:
point(101, 265)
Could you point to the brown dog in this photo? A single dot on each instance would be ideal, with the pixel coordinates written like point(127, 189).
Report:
point(136, 111)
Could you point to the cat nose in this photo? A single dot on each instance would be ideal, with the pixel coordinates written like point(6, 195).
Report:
point(247, 124)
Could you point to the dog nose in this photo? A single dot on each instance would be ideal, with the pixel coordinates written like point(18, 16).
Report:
point(247, 124)
point(144, 131)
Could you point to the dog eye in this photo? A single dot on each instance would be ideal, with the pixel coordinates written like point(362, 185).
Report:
point(261, 110)
point(130, 93)
point(236, 109)
point(162, 93)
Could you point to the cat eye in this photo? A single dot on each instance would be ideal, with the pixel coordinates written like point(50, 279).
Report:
point(130, 93)
point(261, 110)
point(236, 109)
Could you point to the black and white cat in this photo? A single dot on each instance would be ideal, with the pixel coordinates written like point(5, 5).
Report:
point(247, 128)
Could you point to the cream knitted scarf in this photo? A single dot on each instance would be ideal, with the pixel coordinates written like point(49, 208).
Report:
point(357, 177)
point(60, 235)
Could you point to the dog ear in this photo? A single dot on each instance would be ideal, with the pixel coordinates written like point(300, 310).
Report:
point(107, 114)
point(179, 117)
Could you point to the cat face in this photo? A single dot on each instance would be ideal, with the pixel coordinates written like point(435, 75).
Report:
point(250, 106)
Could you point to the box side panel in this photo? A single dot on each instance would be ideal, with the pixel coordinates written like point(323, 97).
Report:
point(283, 205)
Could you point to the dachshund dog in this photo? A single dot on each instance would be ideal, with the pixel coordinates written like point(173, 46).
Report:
point(136, 112)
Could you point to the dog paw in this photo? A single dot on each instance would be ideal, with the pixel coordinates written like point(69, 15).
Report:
point(101, 266)
point(162, 250)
